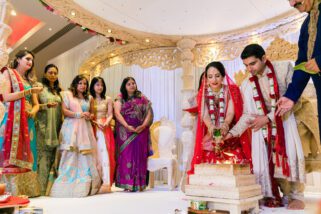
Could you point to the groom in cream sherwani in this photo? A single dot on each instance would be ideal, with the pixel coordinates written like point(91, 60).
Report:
point(277, 155)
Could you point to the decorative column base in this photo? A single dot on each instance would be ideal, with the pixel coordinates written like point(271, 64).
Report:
point(5, 31)
point(313, 184)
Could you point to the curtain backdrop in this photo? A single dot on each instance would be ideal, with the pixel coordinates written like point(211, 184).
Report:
point(162, 87)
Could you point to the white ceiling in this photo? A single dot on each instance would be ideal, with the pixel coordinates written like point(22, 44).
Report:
point(185, 17)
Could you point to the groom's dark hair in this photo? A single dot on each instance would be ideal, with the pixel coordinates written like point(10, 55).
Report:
point(253, 50)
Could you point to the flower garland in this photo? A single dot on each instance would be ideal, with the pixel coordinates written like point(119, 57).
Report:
point(259, 105)
point(211, 103)
point(274, 131)
point(85, 29)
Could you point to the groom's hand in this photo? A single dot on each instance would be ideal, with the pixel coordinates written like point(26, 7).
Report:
point(258, 122)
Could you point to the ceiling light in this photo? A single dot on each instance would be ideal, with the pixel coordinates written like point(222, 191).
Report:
point(112, 54)
point(73, 13)
point(147, 40)
point(109, 30)
point(26, 48)
point(50, 29)
point(13, 13)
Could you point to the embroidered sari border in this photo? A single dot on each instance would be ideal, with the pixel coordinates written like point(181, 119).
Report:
point(127, 142)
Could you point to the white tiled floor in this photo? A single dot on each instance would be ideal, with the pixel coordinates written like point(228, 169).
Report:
point(156, 201)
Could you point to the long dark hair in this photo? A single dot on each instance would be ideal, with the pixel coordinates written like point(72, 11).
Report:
point(123, 90)
point(200, 80)
point(74, 85)
point(56, 86)
point(29, 74)
point(92, 87)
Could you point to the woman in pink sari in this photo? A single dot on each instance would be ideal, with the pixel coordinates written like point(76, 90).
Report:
point(219, 107)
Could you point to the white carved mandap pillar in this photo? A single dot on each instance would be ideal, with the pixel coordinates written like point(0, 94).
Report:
point(186, 46)
point(5, 31)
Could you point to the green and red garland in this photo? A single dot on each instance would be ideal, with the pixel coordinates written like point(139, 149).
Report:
point(85, 29)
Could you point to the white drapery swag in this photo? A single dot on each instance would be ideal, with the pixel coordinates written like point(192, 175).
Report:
point(161, 87)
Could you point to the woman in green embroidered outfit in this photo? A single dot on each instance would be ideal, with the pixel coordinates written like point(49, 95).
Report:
point(49, 120)
point(18, 157)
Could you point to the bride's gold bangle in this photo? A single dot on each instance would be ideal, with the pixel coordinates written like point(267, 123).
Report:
point(26, 92)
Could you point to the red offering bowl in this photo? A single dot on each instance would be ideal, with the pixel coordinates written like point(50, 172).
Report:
point(14, 201)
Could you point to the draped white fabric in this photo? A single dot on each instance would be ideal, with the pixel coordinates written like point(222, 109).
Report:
point(162, 87)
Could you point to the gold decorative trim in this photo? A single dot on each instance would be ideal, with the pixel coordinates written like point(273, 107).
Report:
point(288, 21)
point(169, 58)
point(154, 138)
point(240, 76)
point(165, 58)
point(99, 58)
point(234, 44)
point(98, 24)
point(281, 49)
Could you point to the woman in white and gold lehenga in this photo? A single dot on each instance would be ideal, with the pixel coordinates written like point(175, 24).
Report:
point(102, 107)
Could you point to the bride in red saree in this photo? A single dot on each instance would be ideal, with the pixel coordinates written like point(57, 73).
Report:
point(219, 107)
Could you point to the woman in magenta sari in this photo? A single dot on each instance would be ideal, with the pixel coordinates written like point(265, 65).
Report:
point(133, 114)
point(219, 107)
